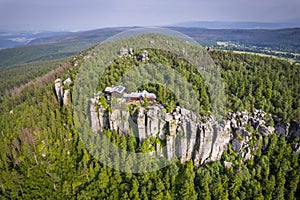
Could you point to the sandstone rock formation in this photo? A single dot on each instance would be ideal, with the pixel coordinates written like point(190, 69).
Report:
point(186, 136)
point(62, 91)
point(58, 89)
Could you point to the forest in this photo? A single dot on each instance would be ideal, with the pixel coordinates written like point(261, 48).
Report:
point(42, 155)
point(274, 88)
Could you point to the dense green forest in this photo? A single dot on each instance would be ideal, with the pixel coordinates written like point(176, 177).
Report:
point(260, 82)
point(44, 52)
point(275, 87)
point(42, 155)
point(20, 75)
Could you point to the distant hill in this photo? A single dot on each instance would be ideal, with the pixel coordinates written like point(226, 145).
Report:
point(68, 44)
point(96, 35)
point(10, 39)
point(54, 47)
point(284, 39)
point(237, 25)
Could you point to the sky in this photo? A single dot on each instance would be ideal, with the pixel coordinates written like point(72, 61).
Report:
point(91, 14)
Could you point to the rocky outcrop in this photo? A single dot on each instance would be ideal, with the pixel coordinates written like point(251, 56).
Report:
point(144, 56)
point(186, 136)
point(59, 89)
point(95, 118)
point(295, 129)
point(65, 99)
point(222, 135)
point(227, 164)
point(62, 90)
point(281, 128)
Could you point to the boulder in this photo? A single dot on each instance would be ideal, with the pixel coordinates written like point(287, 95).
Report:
point(237, 145)
point(265, 131)
point(282, 128)
point(227, 164)
point(68, 82)
point(233, 123)
point(295, 129)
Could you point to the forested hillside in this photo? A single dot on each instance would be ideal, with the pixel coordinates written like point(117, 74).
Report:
point(42, 155)
point(69, 44)
point(252, 82)
point(260, 82)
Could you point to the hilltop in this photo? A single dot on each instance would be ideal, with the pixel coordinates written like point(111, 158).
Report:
point(44, 154)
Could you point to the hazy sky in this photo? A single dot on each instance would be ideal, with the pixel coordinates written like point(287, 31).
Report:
point(89, 14)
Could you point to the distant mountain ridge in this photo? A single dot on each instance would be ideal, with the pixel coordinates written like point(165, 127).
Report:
point(96, 35)
point(238, 25)
point(68, 44)
point(10, 39)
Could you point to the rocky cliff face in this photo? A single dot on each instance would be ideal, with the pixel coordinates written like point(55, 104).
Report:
point(187, 137)
point(62, 94)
